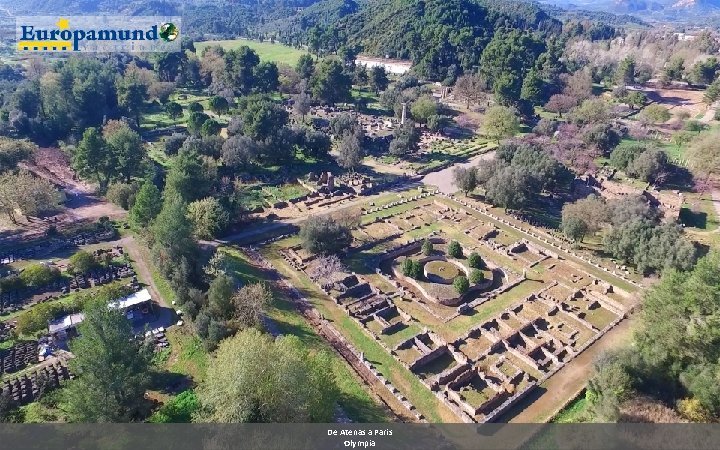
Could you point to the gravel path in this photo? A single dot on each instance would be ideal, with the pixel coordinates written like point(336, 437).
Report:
point(443, 179)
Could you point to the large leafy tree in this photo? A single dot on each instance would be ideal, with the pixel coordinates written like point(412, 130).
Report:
point(253, 378)
point(240, 67)
point(500, 122)
point(91, 158)
point(330, 84)
point(507, 59)
point(148, 203)
point(112, 368)
point(324, 234)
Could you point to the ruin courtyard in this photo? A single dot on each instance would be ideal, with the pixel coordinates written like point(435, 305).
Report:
point(537, 306)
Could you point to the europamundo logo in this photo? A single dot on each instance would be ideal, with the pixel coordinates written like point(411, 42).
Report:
point(98, 34)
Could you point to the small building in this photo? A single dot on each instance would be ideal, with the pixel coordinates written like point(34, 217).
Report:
point(135, 307)
point(65, 326)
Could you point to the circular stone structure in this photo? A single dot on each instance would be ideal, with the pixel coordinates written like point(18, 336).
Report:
point(439, 271)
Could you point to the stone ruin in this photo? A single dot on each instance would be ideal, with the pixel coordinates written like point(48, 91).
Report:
point(18, 357)
point(26, 388)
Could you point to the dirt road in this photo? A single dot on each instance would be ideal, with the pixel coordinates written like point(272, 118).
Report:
point(443, 179)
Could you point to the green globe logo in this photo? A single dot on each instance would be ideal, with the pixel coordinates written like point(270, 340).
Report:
point(169, 32)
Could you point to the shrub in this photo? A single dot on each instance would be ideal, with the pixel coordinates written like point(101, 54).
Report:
point(81, 262)
point(427, 247)
point(323, 234)
point(412, 268)
point(36, 275)
point(476, 276)
point(461, 284)
point(178, 409)
point(122, 194)
point(455, 250)
point(195, 107)
point(475, 261)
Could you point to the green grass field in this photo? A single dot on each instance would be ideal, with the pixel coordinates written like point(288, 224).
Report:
point(267, 51)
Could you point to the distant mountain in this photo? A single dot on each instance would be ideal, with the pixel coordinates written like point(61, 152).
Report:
point(676, 10)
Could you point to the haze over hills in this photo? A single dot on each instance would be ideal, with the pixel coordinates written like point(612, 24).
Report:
point(675, 10)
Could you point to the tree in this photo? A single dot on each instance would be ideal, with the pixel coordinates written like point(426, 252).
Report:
point(499, 123)
point(261, 118)
point(574, 227)
point(610, 385)
point(210, 127)
point(412, 268)
point(423, 108)
point(323, 234)
point(81, 263)
point(475, 261)
point(705, 72)
point(131, 94)
point(40, 274)
point(147, 205)
point(510, 187)
point(649, 247)
point(703, 154)
point(171, 234)
point(378, 79)
point(533, 88)
point(561, 103)
point(592, 111)
point(112, 367)
point(624, 155)
point(350, 154)
point(579, 85)
point(625, 73)
point(315, 144)
point(218, 104)
point(239, 151)
point(305, 67)
point(455, 250)
point(13, 151)
point(650, 166)
point(712, 93)
point(253, 378)
point(220, 296)
point(126, 148)
point(208, 218)
point(188, 178)
point(302, 104)
point(635, 99)
point(329, 83)
point(249, 304)
point(591, 211)
point(267, 77)
point(194, 107)
point(91, 158)
point(461, 284)
point(23, 192)
point(427, 247)
point(675, 68)
point(406, 139)
point(122, 194)
point(471, 88)
point(655, 114)
point(476, 276)
point(240, 67)
point(465, 178)
point(196, 121)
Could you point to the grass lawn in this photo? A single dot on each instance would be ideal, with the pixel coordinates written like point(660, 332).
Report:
point(574, 412)
point(267, 51)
